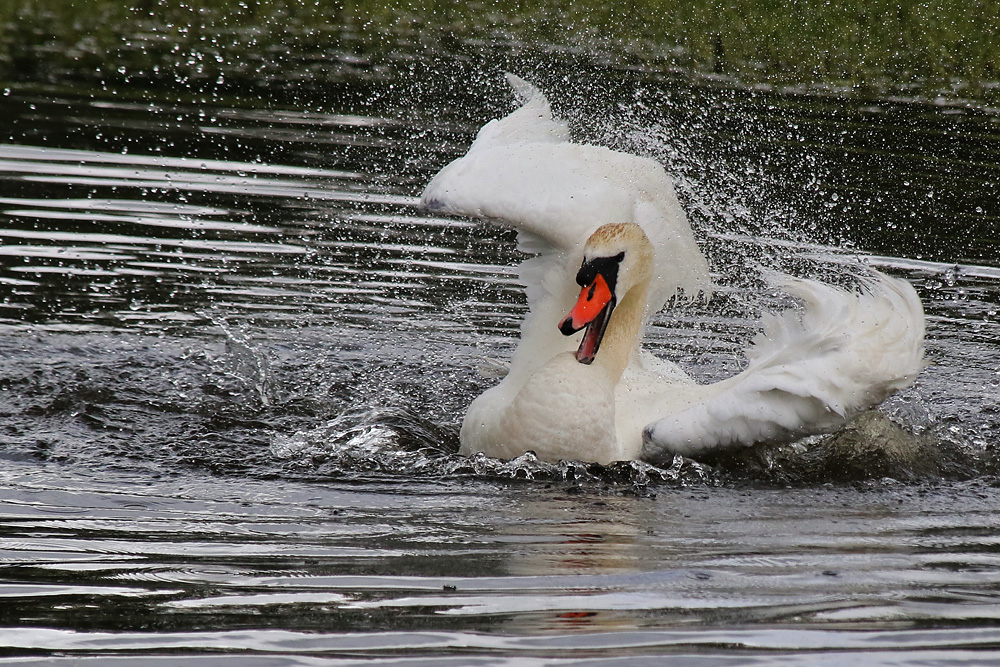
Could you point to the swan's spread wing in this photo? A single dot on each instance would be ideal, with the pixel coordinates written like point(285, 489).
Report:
point(809, 370)
point(522, 171)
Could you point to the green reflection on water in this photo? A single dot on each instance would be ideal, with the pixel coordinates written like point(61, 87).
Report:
point(870, 47)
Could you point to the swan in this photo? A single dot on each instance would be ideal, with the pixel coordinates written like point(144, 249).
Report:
point(610, 245)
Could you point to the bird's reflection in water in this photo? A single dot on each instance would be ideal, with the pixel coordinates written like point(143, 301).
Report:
point(582, 550)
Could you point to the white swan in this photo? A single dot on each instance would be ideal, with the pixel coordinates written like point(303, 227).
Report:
point(611, 246)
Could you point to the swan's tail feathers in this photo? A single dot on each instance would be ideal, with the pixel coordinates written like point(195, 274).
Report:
point(810, 370)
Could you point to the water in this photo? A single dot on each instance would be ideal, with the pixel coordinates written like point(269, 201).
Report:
point(235, 357)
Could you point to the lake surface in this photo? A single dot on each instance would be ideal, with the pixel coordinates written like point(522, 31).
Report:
point(235, 355)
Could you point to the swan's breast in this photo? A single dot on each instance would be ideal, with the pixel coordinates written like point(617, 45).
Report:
point(565, 410)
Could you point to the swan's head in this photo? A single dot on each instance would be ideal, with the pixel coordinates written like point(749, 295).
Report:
point(617, 258)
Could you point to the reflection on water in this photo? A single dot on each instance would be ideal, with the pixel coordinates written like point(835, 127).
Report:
point(235, 355)
point(199, 564)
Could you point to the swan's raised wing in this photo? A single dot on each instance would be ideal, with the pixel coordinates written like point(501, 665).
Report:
point(810, 370)
point(522, 171)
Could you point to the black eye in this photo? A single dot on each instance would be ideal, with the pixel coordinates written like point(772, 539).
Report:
point(606, 266)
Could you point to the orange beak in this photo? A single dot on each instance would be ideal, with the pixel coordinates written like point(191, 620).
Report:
point(592, 310)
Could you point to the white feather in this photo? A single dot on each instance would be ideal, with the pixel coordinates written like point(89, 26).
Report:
point(522, 172)
point(810, 370)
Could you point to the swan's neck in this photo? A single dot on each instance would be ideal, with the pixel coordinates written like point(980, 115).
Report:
point(622, 332)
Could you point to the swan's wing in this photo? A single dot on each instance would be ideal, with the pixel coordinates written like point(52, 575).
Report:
point(505, 175)
point(809, 372)
point(523, 172)
point(530, 123)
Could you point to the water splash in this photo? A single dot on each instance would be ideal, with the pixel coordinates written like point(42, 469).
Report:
point(391, 441)
point(248, 363)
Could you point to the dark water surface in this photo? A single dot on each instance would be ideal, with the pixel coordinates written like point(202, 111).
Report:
point(235, 354)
